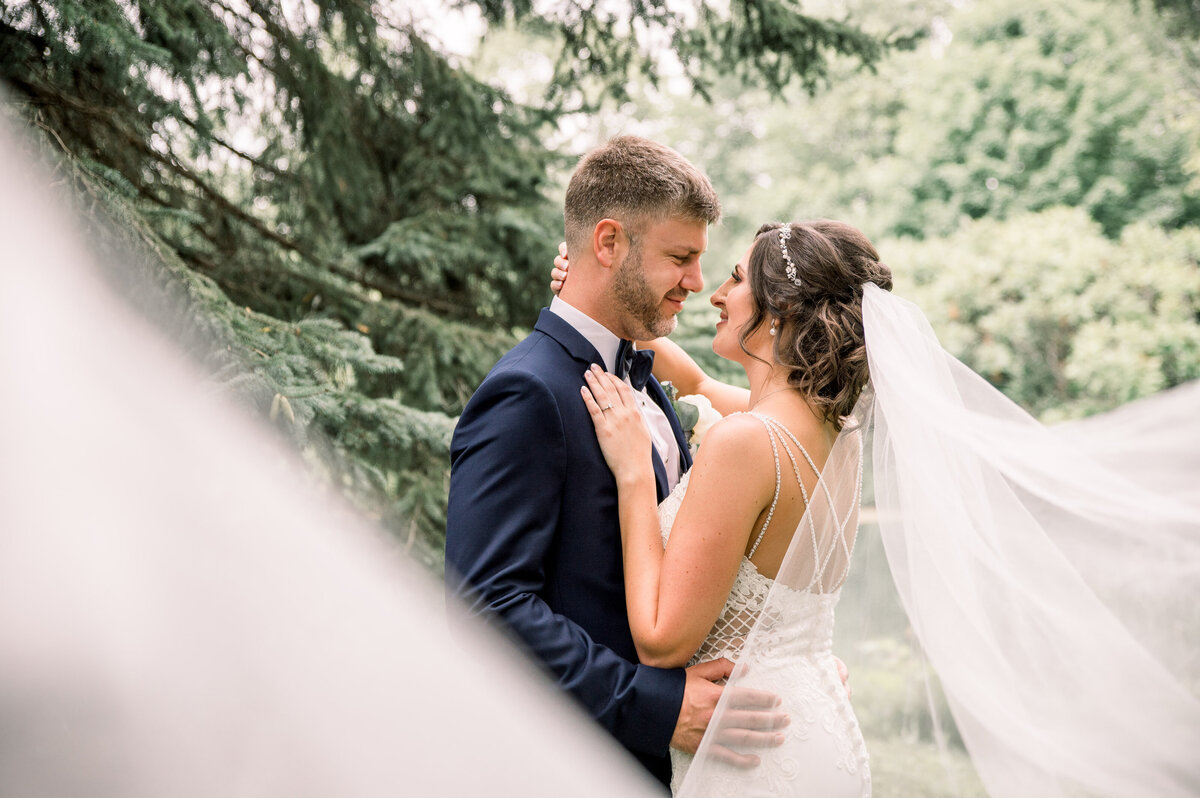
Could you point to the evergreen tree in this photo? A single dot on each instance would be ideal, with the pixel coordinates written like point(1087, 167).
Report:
point(359, 226)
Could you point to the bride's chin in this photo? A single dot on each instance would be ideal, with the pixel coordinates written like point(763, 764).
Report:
point(719, 349)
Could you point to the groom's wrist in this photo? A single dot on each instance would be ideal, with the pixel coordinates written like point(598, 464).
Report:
point(649, 722)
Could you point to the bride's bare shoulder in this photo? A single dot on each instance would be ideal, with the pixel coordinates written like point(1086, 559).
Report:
point(744, 436)
point(736, 435)
point(735, 459)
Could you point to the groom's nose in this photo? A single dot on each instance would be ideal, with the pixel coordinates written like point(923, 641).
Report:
point(693, 277)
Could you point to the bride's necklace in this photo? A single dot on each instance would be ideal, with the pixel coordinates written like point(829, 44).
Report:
point(772, 393)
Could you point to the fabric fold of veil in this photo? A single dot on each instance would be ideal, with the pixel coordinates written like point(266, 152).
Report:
point(1054, 594)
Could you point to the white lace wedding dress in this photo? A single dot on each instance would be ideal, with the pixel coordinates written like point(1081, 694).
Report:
point(823, 753)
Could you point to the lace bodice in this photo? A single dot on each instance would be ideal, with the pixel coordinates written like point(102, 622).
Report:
point(812, 606)
point(792, 657)
point(809, 615)
point(746, 598)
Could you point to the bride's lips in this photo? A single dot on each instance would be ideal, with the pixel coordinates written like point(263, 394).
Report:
point(722, 320)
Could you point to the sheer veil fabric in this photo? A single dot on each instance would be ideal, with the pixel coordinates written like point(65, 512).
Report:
point(185, 612)
point(1054, 595)
point(1154, 441)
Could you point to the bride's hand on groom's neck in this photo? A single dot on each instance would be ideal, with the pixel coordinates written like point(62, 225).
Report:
point(558, 274)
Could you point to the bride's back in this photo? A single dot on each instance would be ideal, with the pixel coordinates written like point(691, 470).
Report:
point(778, 625)
point(817, 496)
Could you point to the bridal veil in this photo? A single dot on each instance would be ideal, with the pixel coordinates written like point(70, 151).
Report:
point(1050, 575)
point(184, 612)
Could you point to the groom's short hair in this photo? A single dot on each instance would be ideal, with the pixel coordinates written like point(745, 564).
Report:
point(635, 181)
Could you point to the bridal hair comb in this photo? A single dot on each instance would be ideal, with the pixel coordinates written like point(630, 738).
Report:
point(785, 233)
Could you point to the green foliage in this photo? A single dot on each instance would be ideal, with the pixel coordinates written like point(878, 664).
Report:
point(356, 134)
point(359, 226)
point(1052, 104)
point(311, 378)
point(1008, 107)
point(1064, 320)
point(764, 42)
point(1078, 103)
point(365, 226)
point(1031, 105)
point(1182, 17)
point(906, 769)
point(320, 260)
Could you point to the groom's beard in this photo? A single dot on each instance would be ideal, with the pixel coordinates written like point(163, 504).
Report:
point(638, 299)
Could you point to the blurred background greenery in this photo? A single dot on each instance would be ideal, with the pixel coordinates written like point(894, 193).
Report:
point(347, 210)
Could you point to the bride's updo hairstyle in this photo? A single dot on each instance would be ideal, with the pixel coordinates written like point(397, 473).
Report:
point(816, 292)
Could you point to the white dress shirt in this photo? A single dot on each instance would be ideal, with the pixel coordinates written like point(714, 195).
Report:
point(607, 343)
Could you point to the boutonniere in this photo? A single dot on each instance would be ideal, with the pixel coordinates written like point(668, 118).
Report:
point(696, 414)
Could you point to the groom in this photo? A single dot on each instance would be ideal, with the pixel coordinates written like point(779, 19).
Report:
point(532, 529)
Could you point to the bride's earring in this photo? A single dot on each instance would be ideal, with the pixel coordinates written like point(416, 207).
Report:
point(773, 323)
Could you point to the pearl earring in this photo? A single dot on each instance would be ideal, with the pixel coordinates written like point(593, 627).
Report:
point(773, 323)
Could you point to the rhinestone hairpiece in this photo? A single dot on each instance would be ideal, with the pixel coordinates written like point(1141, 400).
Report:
point(785, 233)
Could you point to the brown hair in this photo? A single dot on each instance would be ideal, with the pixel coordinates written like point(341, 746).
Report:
point(820, 335)
point(635, 180)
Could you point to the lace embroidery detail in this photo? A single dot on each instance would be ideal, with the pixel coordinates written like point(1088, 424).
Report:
point(824, 752)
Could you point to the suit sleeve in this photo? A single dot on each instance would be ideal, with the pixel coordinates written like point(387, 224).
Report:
point(508, 464)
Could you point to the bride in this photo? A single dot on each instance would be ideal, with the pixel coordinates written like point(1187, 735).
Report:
point(732, 518)
point(1050, 594)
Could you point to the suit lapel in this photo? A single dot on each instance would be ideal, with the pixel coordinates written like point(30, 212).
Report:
point(580, 348)
point(660, 398)
point(660, 474)
point(551, 324)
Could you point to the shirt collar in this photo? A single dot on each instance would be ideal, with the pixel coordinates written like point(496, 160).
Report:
point(599, 336)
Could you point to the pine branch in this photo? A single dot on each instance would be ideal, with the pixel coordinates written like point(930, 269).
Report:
point(258, 162)
point(139, 144)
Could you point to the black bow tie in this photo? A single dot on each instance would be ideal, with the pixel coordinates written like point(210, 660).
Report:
point(634, 363)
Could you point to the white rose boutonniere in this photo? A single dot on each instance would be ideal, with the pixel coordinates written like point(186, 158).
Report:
point(707, 416)
point(696, 414)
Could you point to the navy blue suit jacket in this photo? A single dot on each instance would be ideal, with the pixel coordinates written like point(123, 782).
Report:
point(532, 532)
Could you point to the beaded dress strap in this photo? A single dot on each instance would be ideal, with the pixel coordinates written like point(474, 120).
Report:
point(774, 430)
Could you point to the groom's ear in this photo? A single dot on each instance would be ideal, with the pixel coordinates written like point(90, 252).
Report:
point(609, 242)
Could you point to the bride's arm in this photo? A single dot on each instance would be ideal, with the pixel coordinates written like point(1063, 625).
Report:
point(674, 597)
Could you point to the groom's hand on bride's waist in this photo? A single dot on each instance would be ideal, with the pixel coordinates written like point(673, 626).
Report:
point(752, 718)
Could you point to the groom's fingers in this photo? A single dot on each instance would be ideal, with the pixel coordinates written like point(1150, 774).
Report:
point(747, 698)
point(730, 757)
point(757, 719)
point(844, 674)
point(732, 743)
point(737, 739)
point(714, 669)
